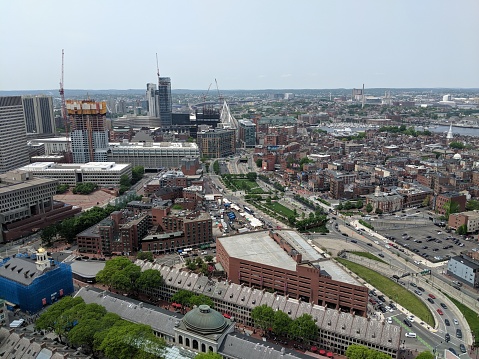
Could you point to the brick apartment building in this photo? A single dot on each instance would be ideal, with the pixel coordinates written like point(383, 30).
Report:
point(281, 261)
point(121, 233)
point(443, 198)
point(177, 230)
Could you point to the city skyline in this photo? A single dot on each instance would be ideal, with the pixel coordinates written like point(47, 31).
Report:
point(244, 45)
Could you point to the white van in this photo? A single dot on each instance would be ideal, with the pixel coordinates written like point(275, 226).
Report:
point(411, 335)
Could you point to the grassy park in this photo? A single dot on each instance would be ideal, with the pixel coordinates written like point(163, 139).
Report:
point(279, 208)
point(392, 290)
point(248, 186)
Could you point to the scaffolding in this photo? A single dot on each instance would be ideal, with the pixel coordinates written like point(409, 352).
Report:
point(46, 289)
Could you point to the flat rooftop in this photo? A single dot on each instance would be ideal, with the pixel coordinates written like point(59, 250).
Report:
point(258, 247)
point(71, 167)
point(337, 273)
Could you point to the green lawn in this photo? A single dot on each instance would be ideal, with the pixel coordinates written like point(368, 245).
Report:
point(470, 315)
point(368, 255)
point(278, 207)
point(391, 289)
point(248, 186)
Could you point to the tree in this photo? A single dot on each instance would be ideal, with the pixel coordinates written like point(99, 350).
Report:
point(137, 173)
point(51, 319)
point(450, 207)
point(259, 163)
point(149, 278)
point(457, 145)
point(356, 351)
point(251, 176)
point(461, 230)
point(201, 299)
point(425, 355)
point(68, 230)
point(263, 316)
point(209, 355)
point(340, 207)
point(472, 205)
point(369, 208)
point(281, 322)
point(62, 188)
point(378, 210)
point(182, 297)
point(426, 201)
point(303, 327)
point(209, 258)
point(359, 204)
point(114, 267)
point(129, 340)
point(49, 234)
point(145, 255)
point(125, 181)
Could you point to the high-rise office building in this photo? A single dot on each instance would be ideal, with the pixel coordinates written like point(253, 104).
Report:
point(39, 116)
point(13, 136)
point(164, 100)
point(247, 133)
point(152, 98)
point(89, 137)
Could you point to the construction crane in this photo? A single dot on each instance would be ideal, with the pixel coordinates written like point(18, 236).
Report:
point(219, 94)
point(64, 107)
point(206, 94)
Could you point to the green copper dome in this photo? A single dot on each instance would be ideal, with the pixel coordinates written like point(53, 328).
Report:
point(205, 320)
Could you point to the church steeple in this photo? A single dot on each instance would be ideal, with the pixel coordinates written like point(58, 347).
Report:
point(449, 135)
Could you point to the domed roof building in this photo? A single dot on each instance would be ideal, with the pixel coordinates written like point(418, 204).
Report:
point(203, 329)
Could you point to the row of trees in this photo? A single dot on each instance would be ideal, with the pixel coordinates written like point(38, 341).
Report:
point(205, 266)
point(348, 205)
point(356, 351)
point(98, 332)
point(137, 173)
point(70, 227)
point(190, 299)
point(301, 328)
point(276, 185)
point(317, 219)
point(84, 188)
point(405, 130)
point(308, 203)
point(62, 188)
point(120, 273)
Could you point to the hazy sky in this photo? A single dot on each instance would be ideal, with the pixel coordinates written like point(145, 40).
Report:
point(244, 44)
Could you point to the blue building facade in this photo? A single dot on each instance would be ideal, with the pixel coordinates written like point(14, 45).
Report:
point(30, 287)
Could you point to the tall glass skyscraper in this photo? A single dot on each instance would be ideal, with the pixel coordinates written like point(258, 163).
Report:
point(39, 116)
point(164, 101)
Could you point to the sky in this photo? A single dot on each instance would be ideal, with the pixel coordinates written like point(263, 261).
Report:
point(243, 44)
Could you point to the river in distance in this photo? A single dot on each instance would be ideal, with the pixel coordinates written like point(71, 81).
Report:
point(438, 129)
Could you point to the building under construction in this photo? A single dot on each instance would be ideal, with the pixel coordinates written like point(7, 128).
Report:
point(89, 137)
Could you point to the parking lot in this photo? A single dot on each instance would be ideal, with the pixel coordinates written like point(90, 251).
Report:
point(429, 241)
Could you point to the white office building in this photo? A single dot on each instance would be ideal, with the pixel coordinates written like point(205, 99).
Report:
point(104, 174)
point(152, 155)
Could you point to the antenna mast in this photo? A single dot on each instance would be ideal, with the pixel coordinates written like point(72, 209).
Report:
point(158, 71)
point(64, 107)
